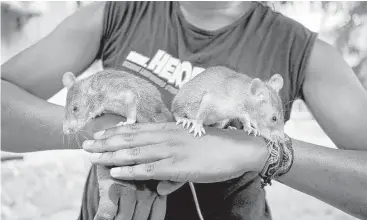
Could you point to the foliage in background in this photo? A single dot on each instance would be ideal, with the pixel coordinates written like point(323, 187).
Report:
point(343, 24)
point(14, 16)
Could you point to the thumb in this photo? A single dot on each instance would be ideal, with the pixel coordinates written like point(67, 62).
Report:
point(166, 187)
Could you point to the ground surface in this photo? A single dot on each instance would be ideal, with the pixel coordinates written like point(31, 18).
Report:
point(48, 185)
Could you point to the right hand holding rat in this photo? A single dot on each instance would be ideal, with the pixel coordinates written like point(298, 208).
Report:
point(133, 204)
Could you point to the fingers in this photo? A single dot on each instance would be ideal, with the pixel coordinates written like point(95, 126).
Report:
point(144, 204)
point(158, 170)
point(127, 204)
point(133, 128)
point(123, 141)
point(159, 207)
point(107, 207)
point(166, 187)
point(132, 156)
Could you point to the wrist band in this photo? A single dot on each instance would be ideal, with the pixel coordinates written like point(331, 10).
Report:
point(279, 161)
point(287, 159)
point(272, 163)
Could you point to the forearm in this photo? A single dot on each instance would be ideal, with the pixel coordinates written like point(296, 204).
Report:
point(337, 177)
point(30, 123)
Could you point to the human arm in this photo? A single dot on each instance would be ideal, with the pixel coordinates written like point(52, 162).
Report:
point(337, 177)
point(29, 122)
point(165, 152)
point(338, 101)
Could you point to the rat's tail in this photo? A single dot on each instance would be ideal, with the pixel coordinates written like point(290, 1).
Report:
point(196, 201)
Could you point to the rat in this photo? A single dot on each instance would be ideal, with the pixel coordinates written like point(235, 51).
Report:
point(117, 92)
point(219, 95)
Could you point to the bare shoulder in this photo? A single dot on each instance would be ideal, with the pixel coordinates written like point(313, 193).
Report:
point(71, 47)
point(333, 93)
point(326, 61)
point(327, 68)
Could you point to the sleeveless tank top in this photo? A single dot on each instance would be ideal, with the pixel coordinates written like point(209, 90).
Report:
point(153, 40)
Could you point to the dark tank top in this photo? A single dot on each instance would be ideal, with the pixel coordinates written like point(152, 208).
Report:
point(154, 41)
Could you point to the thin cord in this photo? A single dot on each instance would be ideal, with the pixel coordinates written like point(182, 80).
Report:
point(192, 187)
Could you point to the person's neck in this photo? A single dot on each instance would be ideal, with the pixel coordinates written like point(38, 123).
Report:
point(214, 15)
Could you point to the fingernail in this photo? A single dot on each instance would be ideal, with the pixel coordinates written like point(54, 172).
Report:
point(88, 143)
point(99, 134)
point(115, 171)
point(94, 157)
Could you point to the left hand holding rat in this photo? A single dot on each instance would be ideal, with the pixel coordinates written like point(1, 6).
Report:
point(133, 205)
point(166, 151)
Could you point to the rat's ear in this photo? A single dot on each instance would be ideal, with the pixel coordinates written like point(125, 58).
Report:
point(68, 79)
point(276, 82)
point(257, 88)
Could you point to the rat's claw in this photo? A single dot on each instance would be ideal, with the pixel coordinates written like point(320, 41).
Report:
point(197, 133)
point(123, 123)
point(185, 122)
point(232, 128)
point(192, 128)
point(253, 131)
point(120, 124)
point(198, 129)
point(179, 120)
point(189, 124)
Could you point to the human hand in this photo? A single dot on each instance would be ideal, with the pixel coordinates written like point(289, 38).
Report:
point(133, 201)
point(125, 203)
point(165, 151)
point(141, 204)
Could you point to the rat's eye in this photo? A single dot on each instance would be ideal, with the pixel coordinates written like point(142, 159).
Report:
point(75, 109)
point(274, 118)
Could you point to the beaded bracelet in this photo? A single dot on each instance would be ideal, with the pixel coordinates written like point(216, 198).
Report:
point(279, 162)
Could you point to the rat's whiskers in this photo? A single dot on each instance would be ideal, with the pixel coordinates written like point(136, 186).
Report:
point(69, 141)
point(63, 140)
point(83, 136)
point(77, 141)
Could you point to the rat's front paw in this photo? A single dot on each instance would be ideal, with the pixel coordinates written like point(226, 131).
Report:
point(198, 129)
point(186, 123)
point(251, 130)
point(127, 122)
point(231, 128)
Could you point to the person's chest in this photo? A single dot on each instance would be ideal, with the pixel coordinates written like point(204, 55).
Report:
point(164, 51)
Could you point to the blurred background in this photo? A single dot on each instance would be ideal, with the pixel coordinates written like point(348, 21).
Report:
point(48, 185)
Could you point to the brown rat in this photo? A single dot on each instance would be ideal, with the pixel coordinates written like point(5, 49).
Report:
point(112, 91)
point(121, 93)
point(219, 94)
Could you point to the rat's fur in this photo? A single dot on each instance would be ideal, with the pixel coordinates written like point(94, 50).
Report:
point(111, 91)
point(218, 95)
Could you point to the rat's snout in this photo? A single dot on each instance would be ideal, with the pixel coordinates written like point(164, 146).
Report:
point(279, 136)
